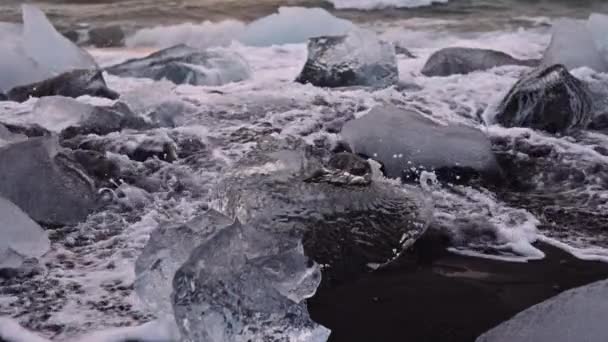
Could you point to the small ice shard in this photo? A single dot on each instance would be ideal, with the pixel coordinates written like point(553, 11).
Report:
point(346, 215)
point(49, 48)
point(20, 236)
point(167, 249)
point(406, 143)
point(575, 315)
point(279, 28)
point(247, 284)
point(44, 182)
point(357, 59)
point(460, 60)
point(70, 84)
point(573, 46)
point(548, 99)
point(182, 64)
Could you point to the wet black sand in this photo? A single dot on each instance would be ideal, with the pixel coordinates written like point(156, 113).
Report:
point(445, 297)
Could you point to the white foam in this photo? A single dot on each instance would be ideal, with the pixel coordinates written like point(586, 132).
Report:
point(275, 29)
point(380, 4)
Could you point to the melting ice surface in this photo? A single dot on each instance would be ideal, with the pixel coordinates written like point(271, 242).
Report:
point(89, 281)
point(35, 51)
point(575, 315)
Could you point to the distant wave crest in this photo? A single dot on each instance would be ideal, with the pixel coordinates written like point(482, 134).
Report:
point(380, 4)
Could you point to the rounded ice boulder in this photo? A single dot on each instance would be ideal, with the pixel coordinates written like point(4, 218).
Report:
point(407, 143)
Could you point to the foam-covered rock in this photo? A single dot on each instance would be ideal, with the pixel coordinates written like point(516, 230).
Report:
point(460, 60)
point(357, 59)
point(182, 64)
point(407, 143)
point(70, 84)
point(20, 236)
point(573, 46)
point(44, 182)
point(548, 99)
point(575, 315)
point(167, 249)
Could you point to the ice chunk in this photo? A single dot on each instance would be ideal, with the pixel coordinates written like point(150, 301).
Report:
point(274, 29)
point(381, 4)
point(575, 315)
point(36, 51)
point(549, 99)
point(44, 183)
point(348, 219)
point(573, 46)
point(56, 113)
point(20, 237)
point(279, 28)
point(182, 64)
point(357, 59)
point(459, 60)
point(74, 83)
point(169, 247)
point(247, 284)
point(407, 143)
point(49, 48)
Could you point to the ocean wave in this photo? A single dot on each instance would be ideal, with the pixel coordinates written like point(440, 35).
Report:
point(381, 4)
point(274, 29)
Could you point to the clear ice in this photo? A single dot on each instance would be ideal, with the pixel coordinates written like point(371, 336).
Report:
point(405, 141)
point(279, 28)
point(573, 46)
point(20, 236)
point(247, 285)
point(575, 315)
point(357, 59)
point(167, 249)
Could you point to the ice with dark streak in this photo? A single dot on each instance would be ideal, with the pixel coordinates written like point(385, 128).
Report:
point(406, 143)
point(575, 315)
point(36, 51)
point(359, 58)
point(549, 99)
point(167, 249)
point(20, 236)
point(182, 64)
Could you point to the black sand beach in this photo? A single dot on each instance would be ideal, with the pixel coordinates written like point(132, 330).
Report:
point(446, 298)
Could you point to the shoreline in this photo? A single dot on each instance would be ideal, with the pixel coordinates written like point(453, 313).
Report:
point(446, 297)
